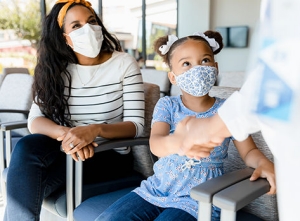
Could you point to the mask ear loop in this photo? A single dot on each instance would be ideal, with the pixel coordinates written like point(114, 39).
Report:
point(67, 41)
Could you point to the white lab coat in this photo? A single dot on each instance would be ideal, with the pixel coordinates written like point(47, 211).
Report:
point(269, 101)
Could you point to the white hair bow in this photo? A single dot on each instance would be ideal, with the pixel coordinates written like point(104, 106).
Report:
point(211, 41)
point(165, 48)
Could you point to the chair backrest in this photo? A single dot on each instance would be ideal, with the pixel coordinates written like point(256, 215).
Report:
point(231, 79)
point(143, 159)
point(159, 78)
point(12, 70)
point(15, 94)
point(265, 206)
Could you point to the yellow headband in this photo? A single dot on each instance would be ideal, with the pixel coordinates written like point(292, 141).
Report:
point(63, 10)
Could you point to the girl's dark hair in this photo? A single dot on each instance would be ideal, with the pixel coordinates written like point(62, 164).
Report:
point(52, 81)
point(163, 41)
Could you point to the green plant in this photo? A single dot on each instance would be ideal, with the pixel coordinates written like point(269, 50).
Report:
point(25, 20)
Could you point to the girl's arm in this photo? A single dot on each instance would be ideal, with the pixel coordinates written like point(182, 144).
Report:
point(254, 158)
point(161, 142)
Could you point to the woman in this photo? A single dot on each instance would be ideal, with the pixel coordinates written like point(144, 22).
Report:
point(84, 88)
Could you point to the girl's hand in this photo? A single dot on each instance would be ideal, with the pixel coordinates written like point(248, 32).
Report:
point(85, 152)
point(266, 170)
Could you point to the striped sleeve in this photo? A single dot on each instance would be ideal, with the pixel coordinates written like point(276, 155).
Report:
point(133, 96)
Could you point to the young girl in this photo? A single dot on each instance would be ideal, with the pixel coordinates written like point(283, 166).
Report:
point(166, 194)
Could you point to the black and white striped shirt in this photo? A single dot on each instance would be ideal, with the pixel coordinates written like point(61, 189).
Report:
point(113, 92)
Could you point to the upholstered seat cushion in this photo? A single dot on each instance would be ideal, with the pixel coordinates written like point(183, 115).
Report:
point(90, 209)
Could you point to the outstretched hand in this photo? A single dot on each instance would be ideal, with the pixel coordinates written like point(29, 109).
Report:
point(199, 136)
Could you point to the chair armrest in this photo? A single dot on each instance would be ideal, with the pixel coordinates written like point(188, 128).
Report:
point(25, 112)
point(115, 143)
point(240, 194)
point(204, 192)
point(13, 125)
point(7, 127)
point(103, 145)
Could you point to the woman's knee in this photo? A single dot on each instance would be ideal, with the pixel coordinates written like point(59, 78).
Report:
point(34, 144)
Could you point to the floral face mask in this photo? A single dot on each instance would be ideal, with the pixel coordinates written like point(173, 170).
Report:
point(198, 80)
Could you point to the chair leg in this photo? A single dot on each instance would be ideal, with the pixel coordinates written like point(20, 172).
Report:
point(204, 212)
point(8, 146)
point(78, 183)
point(228, 215)
point(69, 188)
point(2, 166)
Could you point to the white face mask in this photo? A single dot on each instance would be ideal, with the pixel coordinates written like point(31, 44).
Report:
point(198, 80)
point(87, 40)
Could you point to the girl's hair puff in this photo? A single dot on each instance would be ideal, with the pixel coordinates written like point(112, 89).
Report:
point(168, 56)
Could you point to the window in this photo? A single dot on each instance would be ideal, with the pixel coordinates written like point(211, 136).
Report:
point(125, 20)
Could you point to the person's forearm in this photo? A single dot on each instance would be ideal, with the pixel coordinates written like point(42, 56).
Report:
point(218, 127)
point(255, 158)
point(115, 130)
point(163, 145)
point(47, 127)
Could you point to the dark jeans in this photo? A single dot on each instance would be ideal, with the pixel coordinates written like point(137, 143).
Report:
point(132, 207)
point(38, 168)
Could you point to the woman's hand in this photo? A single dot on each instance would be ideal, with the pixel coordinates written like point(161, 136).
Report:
point(266, 170)
point(77, 138)
point(85, 152)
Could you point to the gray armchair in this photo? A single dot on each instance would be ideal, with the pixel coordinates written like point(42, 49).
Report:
point(15, 96)
point(62, 202)
point(15, 102)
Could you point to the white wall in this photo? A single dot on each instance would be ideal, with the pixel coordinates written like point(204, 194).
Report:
point(201, 15)
point(193, 16)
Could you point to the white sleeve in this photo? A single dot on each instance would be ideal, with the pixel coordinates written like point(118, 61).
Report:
point(237, 112)
point(34, 112)
point(133, 96)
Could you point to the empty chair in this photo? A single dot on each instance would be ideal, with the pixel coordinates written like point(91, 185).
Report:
point(15, 98)
point(15, 102)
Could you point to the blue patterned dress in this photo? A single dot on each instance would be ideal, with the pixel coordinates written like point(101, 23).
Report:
point(175, 175)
